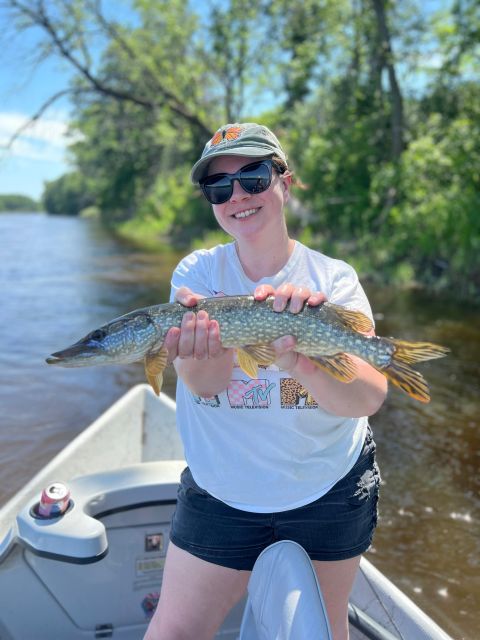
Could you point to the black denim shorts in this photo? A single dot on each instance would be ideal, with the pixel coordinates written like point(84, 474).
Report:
point(337, 526)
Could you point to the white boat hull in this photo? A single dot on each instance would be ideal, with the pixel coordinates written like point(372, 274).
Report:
point(95, 572)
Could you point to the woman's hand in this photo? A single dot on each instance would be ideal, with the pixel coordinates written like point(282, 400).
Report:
point(198, 337)
point(361, 397)
point(287, 357)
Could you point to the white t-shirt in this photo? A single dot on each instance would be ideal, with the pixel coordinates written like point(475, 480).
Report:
point(264, 445)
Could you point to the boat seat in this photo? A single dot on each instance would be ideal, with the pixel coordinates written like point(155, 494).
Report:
point(284, 598)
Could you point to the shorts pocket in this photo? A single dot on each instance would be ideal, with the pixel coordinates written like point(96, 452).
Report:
point(187, 483)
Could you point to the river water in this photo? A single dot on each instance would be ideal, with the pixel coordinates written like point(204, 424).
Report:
point(60, 277)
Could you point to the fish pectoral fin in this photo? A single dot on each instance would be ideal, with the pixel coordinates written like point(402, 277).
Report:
point(155, 364)
point(340, 366)
point(251, 355)
point(247, 363)
point(262, 353)
point(356, 320)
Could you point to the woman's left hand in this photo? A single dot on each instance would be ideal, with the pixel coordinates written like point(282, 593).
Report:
point(284, 347)
point(366, 392)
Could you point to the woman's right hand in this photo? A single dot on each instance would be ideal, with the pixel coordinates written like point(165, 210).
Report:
point(198, 337)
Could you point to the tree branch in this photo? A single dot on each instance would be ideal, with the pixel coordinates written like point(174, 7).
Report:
point(396, 95)
point(173, 102)
point(35, 117)
point(40, 18)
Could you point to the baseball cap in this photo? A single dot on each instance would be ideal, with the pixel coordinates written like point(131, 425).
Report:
point(239, 139)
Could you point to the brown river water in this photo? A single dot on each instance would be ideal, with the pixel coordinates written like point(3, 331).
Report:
point(61, 277)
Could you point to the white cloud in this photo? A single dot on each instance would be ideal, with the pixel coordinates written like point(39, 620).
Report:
point(45, 139)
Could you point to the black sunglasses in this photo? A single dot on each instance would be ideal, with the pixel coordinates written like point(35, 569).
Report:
point(253, 178)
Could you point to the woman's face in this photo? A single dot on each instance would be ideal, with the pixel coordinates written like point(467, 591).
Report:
point(249, 214)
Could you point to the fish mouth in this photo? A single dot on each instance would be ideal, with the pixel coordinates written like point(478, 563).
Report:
point(75, 356)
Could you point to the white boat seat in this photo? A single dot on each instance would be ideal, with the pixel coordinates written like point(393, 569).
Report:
point(284, 598)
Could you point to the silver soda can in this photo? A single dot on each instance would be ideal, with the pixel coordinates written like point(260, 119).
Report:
point(54, 500)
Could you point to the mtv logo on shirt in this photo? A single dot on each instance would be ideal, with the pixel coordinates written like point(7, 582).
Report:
point(250, 394)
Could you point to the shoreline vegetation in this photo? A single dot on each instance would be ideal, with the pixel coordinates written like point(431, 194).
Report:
point(15, 202)
point(147, 238)
point(378, 105)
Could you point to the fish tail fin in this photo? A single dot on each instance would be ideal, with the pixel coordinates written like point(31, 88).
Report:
point(411, 352)
point(402, 375)
point(407, 379)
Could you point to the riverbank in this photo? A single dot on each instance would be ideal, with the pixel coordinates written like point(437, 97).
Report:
point(371, 262)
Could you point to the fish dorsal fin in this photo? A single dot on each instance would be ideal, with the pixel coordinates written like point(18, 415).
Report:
point(248, 364)
point(340, 366)
point(356, 320)
point(155, 363)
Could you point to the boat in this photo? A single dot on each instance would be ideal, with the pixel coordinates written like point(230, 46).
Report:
point(96, 570)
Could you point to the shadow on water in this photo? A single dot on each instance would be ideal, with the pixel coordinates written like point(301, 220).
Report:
point(61, 277)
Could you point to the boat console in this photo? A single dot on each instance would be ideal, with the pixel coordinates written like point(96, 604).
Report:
point(96, 570)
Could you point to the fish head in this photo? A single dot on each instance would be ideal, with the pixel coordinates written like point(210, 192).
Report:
point(123, 340)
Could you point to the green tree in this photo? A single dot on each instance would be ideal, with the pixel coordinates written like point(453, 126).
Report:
point(435, 226)
point(16, 202)
point(347, 126)
point(306, 35)
point(385, 145)
point(236, 47)
point(67, 195)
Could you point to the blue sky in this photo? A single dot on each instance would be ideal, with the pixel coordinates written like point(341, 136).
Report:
point(41, 153)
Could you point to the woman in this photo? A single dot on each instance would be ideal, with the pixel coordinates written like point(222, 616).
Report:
point(286, 456)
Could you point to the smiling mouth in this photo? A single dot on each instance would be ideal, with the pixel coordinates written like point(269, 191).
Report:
point(245, 214)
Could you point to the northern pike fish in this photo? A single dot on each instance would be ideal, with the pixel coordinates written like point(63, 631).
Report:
point(326, 334)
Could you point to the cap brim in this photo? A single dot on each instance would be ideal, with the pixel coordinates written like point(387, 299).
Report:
point(199, 169)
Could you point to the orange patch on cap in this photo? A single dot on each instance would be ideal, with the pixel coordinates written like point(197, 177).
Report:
point(232, 133)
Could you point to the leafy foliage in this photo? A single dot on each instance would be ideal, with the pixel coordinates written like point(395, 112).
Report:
point(67, 195)
point(376, 102)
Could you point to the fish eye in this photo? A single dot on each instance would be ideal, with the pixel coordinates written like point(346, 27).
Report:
point(98, 335)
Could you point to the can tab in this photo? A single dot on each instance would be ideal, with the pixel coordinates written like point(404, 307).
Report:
point(54, 501)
